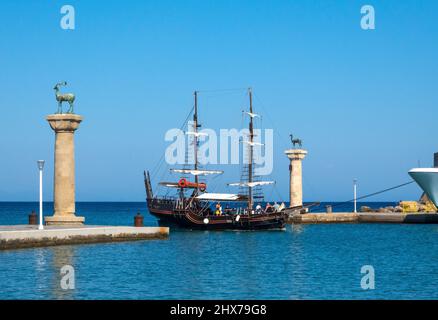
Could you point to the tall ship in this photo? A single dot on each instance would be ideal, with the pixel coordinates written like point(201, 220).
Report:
point(193, 207)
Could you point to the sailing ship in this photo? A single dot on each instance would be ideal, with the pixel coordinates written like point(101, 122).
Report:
point(194, 210)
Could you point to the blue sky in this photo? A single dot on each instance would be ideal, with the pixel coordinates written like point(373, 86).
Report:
point(364, 102)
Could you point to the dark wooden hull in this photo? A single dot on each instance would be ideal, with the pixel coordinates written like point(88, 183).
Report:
point(197, 221)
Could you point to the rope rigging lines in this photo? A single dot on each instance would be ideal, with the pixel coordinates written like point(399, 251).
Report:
point(370, 195)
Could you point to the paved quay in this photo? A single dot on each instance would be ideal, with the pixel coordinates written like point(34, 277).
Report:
point(369, 217)
point(28, 236)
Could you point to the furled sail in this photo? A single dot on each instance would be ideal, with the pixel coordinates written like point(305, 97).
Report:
point(197, 172)
point(251, 184)
point(253, 143)
point(196, 134)
point(169, 184)
point(253, 115)
point(219, 196)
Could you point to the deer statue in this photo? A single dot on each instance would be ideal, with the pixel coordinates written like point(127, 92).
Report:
point(61, 97)
point(296, 141)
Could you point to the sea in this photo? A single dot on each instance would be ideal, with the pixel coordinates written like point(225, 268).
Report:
point(315, 261)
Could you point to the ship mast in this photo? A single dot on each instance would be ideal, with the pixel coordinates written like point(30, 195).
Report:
point(195, 124)
point(251, 140)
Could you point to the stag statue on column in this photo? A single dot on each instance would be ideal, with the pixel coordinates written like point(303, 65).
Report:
point(296, 141)
point(64, 97)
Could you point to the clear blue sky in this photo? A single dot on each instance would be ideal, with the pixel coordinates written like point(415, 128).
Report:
point(365, 102)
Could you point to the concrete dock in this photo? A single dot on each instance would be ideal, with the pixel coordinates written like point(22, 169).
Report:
point(368, 217)
point(323, 218)
point(28, 236)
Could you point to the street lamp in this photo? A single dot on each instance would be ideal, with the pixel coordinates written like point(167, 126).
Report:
point(355, 194)
point(40, 168)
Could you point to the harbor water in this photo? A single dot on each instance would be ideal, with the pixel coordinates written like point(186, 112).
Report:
point(320, 261)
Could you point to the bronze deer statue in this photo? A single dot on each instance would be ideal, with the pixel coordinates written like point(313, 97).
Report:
point(64, 97)
point(296, 141)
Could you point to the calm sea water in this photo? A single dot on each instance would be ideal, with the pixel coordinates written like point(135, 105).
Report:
point(303, 262)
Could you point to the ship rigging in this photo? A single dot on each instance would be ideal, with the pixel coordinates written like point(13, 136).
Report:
point(193, 209)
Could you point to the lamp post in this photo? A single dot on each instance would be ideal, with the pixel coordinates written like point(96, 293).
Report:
point(40, 168)
point(355, 194)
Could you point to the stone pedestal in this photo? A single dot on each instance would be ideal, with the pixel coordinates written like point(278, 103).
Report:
point(64, 126)
point(296, 157)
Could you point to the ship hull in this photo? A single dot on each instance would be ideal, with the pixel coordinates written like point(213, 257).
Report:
point(427, 179)
point(190, 219)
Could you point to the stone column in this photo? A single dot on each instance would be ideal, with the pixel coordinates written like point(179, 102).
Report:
point(296, 157)
point(64, 126)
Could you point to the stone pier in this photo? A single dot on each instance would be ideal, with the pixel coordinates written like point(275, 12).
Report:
point(25, 236)
point(296, 157)
point(64, 126)
point(365, 217)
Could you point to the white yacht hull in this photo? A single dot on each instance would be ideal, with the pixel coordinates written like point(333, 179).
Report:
point(427, 179)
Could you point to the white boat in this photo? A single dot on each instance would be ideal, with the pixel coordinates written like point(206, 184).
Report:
point(427, 179)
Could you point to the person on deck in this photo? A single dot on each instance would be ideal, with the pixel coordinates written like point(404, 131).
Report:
point(276, 206)
point(218, 211)
point(258, 209)
point(282, 206)
point(268, 207)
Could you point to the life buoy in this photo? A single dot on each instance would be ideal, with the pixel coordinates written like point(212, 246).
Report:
point(182, 183)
